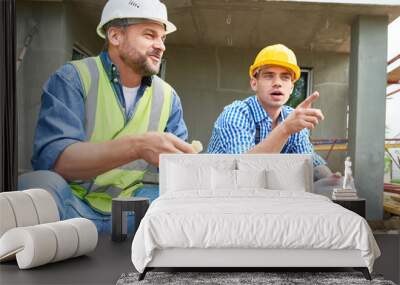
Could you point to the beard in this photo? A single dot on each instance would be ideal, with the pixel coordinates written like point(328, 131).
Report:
point(139, 62)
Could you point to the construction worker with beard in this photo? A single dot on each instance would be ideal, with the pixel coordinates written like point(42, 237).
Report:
point(105, 120)
point(263, 123)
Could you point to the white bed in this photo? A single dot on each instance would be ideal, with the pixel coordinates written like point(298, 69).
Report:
point(215, 211)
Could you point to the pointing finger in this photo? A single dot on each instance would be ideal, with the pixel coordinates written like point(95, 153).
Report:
point(309, 100)
point(314, 112)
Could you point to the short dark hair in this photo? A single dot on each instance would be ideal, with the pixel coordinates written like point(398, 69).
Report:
point(117, 23)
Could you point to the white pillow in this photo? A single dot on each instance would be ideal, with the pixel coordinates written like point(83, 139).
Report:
point(284, 172)
point(251, 178)
point(223, 179)
point(188, 177)
point(279, 180)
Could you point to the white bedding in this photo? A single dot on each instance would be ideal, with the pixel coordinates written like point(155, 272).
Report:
point(252, 218)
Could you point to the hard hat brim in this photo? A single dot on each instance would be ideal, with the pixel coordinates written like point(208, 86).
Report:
point(169, 27)
point(292, 67)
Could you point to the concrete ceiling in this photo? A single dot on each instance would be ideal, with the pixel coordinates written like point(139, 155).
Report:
point(255, 23)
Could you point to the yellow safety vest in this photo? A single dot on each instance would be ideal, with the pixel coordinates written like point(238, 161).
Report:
point(105, 120)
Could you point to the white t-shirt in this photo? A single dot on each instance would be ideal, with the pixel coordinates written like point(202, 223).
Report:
point(130, 95)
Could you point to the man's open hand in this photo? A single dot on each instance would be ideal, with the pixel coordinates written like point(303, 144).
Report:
point(304, 116)
point(150, 145)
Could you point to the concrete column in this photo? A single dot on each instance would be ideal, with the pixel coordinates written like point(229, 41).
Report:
point(367, 104)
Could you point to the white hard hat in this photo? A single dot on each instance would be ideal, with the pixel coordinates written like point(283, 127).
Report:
point(152, 10)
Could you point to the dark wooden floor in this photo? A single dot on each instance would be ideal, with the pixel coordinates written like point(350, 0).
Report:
point(102, 266)
point(110, 259)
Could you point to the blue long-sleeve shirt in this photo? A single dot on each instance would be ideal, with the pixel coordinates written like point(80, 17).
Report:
point(235, 130)
point(62, 113)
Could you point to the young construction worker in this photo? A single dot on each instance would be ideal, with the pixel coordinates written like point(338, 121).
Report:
point(105, 120)
point(262, 123)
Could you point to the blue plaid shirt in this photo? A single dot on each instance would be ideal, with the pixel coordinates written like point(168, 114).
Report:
point(62, 114)
point(235, 130)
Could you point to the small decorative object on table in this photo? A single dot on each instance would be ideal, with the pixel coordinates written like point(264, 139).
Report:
point(120, 209)
point(347, 195)
point(348, 191)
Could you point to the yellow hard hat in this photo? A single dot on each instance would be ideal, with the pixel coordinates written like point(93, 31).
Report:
point(279, 55)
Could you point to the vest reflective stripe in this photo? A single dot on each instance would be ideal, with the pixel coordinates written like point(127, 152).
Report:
point(105, 120)
point(84, 74)
point(157, 104)
point(136, 165)
point(91, 96)
point(108, 187)
point(110, 190)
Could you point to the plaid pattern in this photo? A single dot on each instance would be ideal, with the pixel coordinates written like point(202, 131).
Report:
point(235, 130)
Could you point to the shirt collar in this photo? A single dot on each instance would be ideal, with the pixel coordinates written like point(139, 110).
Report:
point(113, 73)
point(260, 114)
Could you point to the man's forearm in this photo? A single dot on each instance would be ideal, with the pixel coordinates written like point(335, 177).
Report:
point(86, 160)
point(273, 143)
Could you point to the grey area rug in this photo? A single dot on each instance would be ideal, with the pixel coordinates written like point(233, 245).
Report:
point(273, 278)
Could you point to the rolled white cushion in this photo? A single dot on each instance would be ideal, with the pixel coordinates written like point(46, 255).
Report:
point(67, 240)
point(46, 207)
point(87, 235)
point(37, 245)
point(7, 218)
point(33, 246)
point(26, 208)
point(23, 208)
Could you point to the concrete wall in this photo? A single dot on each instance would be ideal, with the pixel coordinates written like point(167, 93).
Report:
point(207, 79)
point(367, 131)
point(331, 79)
point(58, 29)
